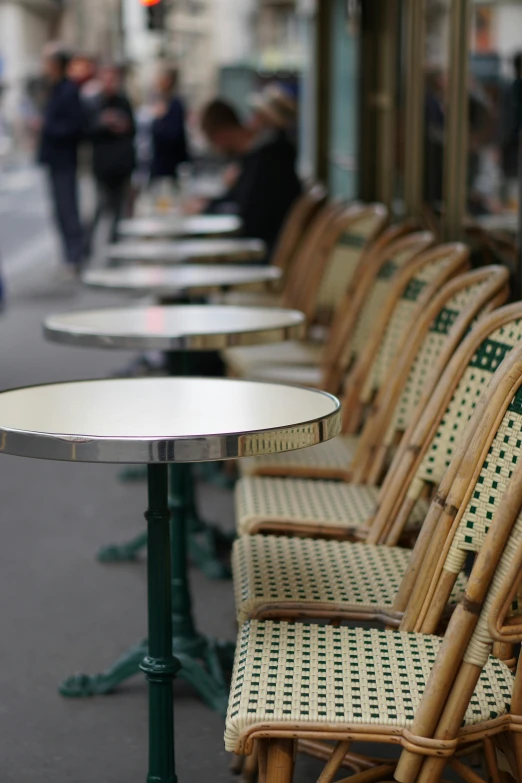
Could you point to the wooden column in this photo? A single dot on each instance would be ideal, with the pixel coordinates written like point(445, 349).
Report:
point(457, 123)
point(414, 107)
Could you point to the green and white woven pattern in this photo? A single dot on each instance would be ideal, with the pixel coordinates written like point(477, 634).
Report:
point(335, 454)
point(427, 356)
point(315, 674)
point(400, 324)
point(351, 578)
point(467, 393)
point(345, 259)
point(374, 302)
point(245, 360)
point(323, 504)
point(503, 455)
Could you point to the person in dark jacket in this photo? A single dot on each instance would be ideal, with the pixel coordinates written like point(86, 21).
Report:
point(61, 128)
point(111, 129)
point(267, 183)
point(169, 141)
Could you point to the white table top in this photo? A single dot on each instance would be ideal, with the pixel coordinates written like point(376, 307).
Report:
point(175, 327)
point(187, 250)
point(179, 225)
point(149, 420)
point(173, 280)
point(504, 221)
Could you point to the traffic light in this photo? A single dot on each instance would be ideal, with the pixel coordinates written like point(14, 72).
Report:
point(155, 14)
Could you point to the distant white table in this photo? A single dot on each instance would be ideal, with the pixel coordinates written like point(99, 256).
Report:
point(187, 250)
point(179, 226)
point(164, 281)
point(175, 327)
point(506, 222)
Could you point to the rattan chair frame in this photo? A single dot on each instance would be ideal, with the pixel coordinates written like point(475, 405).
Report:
point(301, 214)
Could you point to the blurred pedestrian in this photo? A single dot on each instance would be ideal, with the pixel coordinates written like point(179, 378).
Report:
point(111, 128)
point(61, 128)
point(169, 141)
point(267, 183)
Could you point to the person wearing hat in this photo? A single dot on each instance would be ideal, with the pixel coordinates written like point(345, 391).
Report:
point(267, 183)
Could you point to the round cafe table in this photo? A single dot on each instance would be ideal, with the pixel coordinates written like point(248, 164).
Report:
point(165, 281)
point(193, 250)
point(156, 421)
point(179, 226)
point(182, 329)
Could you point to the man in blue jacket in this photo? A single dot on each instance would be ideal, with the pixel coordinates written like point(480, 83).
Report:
point(61, 129)
point(169, 142)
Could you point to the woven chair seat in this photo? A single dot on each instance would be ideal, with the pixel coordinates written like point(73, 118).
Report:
point(312, 677)
point(284, 576)
point(283, 502)
point(250, 298)
point(298, 374)
point(244, 361)
point(331, 459)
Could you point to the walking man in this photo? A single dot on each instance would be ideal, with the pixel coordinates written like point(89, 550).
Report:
point(112, 130)
point(61, 129)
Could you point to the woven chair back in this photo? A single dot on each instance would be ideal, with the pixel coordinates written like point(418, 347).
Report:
point(428, 447)
point(421, 361)
point(378, 281)
point(354, 297)
point(308, 249)
point(413, 289)
point(306, 288)
point(294, 228)
point(346, 255)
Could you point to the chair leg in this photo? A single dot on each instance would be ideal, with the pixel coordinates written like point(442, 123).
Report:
point(280, 761)
point(250, 765)
point(262, 756)
point(491, 760)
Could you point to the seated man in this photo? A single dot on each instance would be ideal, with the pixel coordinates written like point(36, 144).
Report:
point(267, 183)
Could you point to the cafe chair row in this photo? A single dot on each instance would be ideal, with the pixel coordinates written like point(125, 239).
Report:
point(426, 362)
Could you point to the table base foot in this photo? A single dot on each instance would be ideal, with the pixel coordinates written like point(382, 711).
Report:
point(215, 473)
point(83, 685)
point(123, 553)
point(203, 665)
point(203, 548)
point(132, 474)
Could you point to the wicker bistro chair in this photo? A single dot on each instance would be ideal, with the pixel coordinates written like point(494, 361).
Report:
point(353, 242)
point(403, 301)
point(288, 576)
point(325, 365)
point(433, 697)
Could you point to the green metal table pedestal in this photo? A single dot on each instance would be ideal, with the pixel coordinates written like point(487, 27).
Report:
point(204, 540)
point(203, 661)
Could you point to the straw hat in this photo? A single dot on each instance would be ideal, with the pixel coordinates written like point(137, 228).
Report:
point(276, 104)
